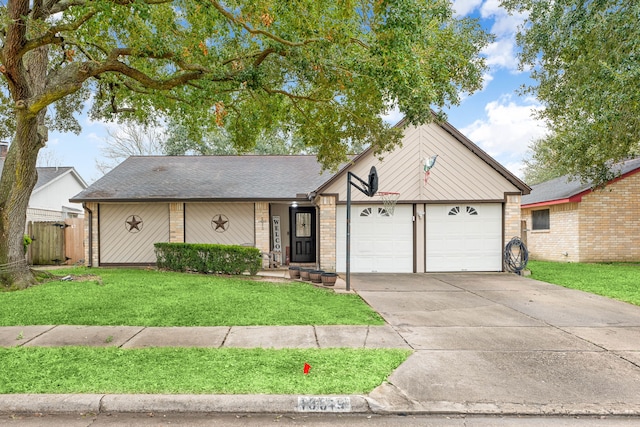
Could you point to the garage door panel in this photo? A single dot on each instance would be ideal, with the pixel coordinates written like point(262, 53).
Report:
point(464, 237)
point(378, 243)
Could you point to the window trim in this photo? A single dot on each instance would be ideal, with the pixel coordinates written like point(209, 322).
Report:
point(546, 222)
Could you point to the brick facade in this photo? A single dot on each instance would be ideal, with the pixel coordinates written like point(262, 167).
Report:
point(262, 225)
point(610, 222)
point(561, 241)
point(512, 217)
point(176, 222)
point(603, 227)
point(327, 208)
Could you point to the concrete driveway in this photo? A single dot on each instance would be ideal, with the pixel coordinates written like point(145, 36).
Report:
point(500, 343)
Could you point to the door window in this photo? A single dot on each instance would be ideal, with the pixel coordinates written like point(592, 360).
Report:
point(303, 224)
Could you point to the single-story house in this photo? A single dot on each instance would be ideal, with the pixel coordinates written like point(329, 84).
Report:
point(455, 216)
point(568, 220)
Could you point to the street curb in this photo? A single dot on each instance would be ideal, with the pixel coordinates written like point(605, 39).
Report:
point(128, 403)
point(285, 404)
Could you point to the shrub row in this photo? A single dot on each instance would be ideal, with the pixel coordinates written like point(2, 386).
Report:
point(208, 258)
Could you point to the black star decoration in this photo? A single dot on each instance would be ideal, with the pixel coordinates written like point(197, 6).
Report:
point(134, 223)
point(220, 223)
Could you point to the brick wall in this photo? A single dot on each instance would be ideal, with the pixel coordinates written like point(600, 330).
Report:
point(327, 205)
point(610, 230)
point(561, 241)
point(603, 227)
point(512, 216)
point(261, 226)
point(176, 222)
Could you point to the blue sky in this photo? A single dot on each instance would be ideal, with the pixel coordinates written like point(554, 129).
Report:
point(496, 118)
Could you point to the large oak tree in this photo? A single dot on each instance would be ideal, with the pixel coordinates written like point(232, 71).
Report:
point(322, 70)
point(585, 57)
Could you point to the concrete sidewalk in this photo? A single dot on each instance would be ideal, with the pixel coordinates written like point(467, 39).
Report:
point(484, 344)
point(212, 337)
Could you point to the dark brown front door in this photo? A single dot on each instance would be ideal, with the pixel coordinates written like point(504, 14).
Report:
point(303, 234)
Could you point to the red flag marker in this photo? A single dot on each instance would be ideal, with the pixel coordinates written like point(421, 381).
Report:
point(306, 368)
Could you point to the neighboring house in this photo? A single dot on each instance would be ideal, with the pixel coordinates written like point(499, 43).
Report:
point(456, 217)
point(567, 220)
point(49, 199)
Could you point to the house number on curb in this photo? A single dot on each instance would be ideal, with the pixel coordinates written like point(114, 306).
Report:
point(323, 404)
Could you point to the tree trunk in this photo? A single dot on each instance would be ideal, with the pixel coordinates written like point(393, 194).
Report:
point(19, 176)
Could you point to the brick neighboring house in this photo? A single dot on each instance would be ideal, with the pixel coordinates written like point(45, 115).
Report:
point(455, 218)
point(568, 221)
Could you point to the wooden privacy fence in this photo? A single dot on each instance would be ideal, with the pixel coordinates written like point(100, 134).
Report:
point(56, 242)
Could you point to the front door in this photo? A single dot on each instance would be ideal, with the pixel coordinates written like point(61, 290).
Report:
point(303, 234)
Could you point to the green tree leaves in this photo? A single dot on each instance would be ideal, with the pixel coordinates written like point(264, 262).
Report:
point(584, 56)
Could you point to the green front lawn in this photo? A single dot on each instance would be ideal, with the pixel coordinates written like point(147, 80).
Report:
point(194, 370)
point(159, 298)
point(616, 280)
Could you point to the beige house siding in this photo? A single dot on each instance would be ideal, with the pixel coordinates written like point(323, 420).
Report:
point(238, 230)
point(459, 174)
point(610, 230)
point(119, 245)
point(561, 241)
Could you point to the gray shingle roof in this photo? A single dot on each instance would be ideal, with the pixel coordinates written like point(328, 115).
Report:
point(565, 187)
point(207, 178)
point(48, 174)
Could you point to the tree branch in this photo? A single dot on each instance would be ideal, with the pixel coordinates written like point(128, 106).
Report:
point(292, 96)
point(254, 31)
point(51, 37)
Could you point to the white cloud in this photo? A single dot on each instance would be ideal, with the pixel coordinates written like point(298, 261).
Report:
point(507, 129)
point(502, 54)
point(465, 7)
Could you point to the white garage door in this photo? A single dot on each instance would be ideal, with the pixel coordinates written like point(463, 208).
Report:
point(464, 237)
point(379, 242)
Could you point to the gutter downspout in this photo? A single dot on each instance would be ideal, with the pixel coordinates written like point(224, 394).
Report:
point(90, 242)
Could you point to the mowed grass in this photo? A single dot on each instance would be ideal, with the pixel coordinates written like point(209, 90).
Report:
point(616, 280)
point(159, 298)
point(194, 370)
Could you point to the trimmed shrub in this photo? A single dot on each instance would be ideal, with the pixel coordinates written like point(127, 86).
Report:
point(208, 258)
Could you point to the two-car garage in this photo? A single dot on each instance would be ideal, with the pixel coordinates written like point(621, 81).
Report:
point(422, 237)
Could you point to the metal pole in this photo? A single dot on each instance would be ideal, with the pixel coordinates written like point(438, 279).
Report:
point(348, 231)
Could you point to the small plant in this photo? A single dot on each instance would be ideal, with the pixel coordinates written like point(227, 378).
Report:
point(20, 336)
point(109, 339)
point(26, 241)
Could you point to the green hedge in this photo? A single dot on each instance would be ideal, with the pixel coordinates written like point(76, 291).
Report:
point(208, 258)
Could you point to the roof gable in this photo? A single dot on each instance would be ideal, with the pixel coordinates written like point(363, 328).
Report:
point(208, 178)
point(565, 189)
point(462, 170)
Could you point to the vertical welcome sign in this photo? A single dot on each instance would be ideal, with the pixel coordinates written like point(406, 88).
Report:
point(277, 239)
